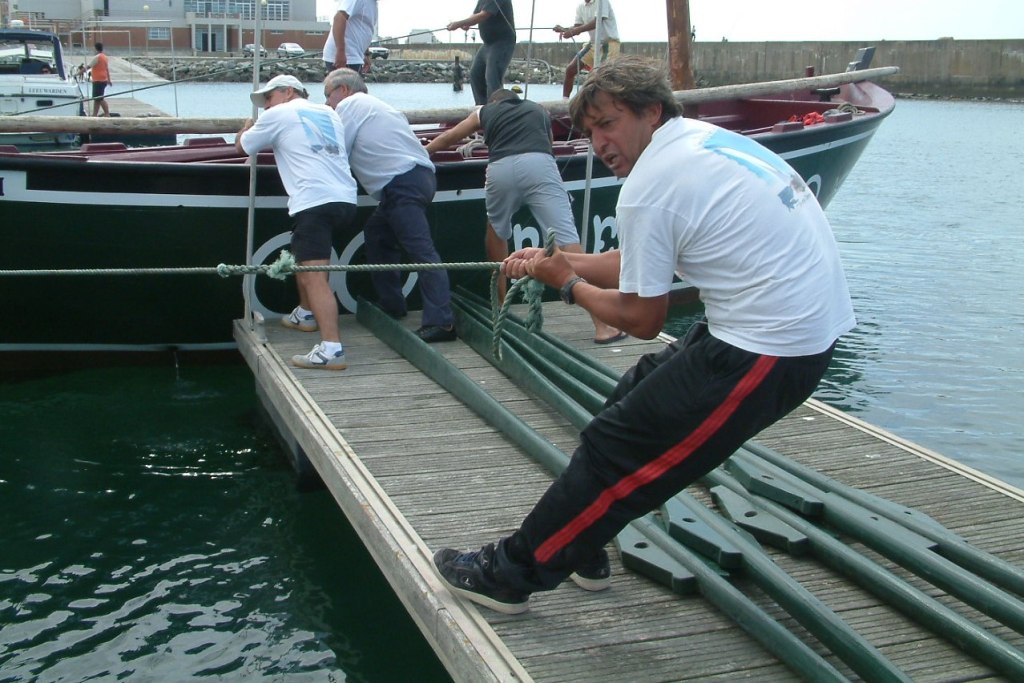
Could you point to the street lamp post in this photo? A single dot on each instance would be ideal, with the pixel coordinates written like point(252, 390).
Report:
point(262, 10)
point(145, 11)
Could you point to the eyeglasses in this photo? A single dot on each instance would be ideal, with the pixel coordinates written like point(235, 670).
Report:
point(327, 93)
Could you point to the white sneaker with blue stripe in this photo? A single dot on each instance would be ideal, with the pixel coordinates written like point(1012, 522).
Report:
point(319, 358)
point(303, 323)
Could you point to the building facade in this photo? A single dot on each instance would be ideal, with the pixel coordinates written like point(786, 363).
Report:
point(165, 26)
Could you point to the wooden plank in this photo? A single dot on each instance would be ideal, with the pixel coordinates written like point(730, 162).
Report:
point(442, 477)
point(457, 633)
point(129, 107)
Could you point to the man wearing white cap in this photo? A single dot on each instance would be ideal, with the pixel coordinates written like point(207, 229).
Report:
point(309, 147)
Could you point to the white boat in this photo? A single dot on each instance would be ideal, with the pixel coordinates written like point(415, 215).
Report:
point(34, 81)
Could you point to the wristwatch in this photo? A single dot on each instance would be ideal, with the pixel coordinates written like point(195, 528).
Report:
point(566, 291)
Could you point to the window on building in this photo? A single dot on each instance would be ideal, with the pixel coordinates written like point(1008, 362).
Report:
point(274, 10)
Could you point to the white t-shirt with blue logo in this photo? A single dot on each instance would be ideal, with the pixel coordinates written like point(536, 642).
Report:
point(309, 147)
point(737, 222)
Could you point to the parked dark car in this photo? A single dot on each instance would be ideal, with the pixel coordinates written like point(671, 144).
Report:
point(248, 50)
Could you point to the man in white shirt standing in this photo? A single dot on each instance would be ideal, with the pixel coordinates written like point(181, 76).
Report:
point(739, 224)
point(309, 148)
point(586, 20)
point(352, 31)
point(394, 169)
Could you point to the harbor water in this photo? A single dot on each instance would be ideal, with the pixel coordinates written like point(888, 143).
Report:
point(152, 529)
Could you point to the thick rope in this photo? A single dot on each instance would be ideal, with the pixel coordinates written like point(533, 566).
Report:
point(532, 291)
point(279, 269)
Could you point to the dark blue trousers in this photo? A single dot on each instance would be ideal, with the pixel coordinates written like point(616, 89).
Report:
point(400, 224)
point(673, 417)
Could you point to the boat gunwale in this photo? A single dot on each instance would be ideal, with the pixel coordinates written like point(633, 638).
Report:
point(224, 155)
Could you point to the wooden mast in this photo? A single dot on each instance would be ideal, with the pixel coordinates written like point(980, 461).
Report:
point(679, 44)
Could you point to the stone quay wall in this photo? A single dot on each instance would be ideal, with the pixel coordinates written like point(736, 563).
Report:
point(933, 68)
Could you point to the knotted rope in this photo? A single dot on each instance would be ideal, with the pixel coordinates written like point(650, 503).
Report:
point(532, 291)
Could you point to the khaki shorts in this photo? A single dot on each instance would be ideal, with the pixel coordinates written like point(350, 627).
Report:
point(610, 48)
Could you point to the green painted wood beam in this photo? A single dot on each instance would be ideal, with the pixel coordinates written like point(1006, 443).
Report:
point(900, 595)
point(765, 527)
point(582, 367)
point(682, 524)
point(951, 546)
point(757, 480)
point(752, 619)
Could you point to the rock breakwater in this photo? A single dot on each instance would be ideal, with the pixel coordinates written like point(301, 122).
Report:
point(310, 69)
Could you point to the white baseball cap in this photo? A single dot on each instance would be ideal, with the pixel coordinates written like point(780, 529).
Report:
point(259, 98)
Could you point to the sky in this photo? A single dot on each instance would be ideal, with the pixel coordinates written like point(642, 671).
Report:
point(736, 20)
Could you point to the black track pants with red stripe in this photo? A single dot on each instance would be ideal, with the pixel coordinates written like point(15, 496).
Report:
point(675, 416)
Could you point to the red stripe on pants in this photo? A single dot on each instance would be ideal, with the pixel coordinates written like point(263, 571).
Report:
point(657, 467)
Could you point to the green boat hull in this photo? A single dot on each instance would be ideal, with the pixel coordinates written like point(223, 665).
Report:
point(61, 212)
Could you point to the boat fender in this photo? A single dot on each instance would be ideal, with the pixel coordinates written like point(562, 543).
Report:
point(809, 119)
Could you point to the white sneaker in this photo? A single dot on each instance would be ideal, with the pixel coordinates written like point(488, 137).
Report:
point(319, 359)
point(305, 323)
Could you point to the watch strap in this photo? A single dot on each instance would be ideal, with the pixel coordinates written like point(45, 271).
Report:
point(566, 290)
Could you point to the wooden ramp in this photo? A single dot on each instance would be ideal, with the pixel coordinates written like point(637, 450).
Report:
point(129, 107)
point(131, 129)
point(414, 470)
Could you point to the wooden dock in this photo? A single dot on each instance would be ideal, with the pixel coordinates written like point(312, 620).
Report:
point(129, 107)
point(414, 470)
point(134, 118)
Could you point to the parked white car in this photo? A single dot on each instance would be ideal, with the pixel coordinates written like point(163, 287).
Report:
point(250, 48)
point(290, 50)
point(377, 52)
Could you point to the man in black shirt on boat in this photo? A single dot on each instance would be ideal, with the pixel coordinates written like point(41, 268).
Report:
point(498, 34)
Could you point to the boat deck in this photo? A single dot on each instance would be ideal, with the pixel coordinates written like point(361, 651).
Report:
point(414, 469)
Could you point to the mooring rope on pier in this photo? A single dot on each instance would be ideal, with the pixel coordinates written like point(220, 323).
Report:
point(279, 269)
point(530, 289)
